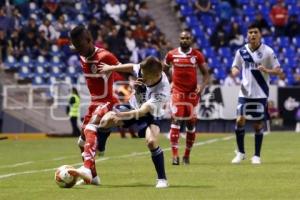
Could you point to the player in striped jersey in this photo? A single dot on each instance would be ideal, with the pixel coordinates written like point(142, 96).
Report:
point(256, 61)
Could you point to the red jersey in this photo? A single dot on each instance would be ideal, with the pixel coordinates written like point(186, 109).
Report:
point(184, 76)
point(99, 85)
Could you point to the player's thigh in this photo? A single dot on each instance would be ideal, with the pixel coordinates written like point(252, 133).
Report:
point(152, 133)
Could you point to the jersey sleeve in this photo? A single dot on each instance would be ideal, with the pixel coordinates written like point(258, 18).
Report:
point(110, 59)
point(168, 58)
point(273, 60)
point(237, 62)
point(200, 58)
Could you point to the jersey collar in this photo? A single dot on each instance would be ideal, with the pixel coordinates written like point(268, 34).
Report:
point(181, 52)
point(156, 82)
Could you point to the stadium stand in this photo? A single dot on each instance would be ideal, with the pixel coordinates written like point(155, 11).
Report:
point(207, 24)
point(35, 44)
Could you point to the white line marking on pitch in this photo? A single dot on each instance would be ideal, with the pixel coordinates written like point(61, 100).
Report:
point(16, 165)
point(112, 157)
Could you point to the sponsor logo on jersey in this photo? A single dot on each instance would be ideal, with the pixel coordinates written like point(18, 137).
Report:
point(259, 54)
point(193, 60)
point(94, 69)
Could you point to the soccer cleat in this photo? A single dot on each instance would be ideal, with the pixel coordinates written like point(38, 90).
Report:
point(186, 160)
point(83, 173)
point(95, 181)
point(175, 161)
point(162, 183)
point(255, 160)
point(238, 158)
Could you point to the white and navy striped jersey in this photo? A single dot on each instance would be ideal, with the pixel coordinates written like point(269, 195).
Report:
point(157, 95)
point(255, 84)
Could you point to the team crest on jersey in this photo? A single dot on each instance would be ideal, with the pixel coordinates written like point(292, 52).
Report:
point(94, 69)
point(259, 54)
point(193, 60)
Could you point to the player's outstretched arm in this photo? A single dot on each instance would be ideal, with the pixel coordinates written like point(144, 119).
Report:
point(118, 68)
point(137, 113)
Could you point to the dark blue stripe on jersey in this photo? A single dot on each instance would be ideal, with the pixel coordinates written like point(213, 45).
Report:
point(261, 81)
point(246, 55)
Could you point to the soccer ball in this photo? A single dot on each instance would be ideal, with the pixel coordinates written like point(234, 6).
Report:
point(62, 177)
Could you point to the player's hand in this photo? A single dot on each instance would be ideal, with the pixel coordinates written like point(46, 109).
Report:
point(199, 89)
point(262, 68)
point(103, 67)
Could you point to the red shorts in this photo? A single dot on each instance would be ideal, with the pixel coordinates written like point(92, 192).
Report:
point(96, 109)
point(183, 105)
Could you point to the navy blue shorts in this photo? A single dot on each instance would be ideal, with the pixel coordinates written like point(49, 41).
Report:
point(141, 123)
point(253, 109)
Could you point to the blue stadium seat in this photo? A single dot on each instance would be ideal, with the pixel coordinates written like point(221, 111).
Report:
point(38, 80)
point(182, 2)
point(296, 41)
point(55, 71)
point(192, 21)
point(10, 63)
point(186, 10)
point(24, 73)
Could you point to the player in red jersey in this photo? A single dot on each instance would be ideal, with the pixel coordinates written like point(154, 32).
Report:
point(185, 92)
point(102, 98)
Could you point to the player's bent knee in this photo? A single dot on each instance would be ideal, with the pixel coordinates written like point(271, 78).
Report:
point(151, 143)
point(90, 127)
point(80, 142)
point(241, 121)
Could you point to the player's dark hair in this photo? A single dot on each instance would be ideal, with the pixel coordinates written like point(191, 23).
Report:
point(254, 25)
point(151, 64)
point(78, 31)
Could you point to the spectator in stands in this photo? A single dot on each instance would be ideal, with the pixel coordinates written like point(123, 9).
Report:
point(203, 7)
point(130, 41)
point(50, 32)
point(131, 15)
point(5, 22)
point(3, 46)
point(94, 28)
point(219, 37)
point(279, 17)
point(31, 27)
point(117, 46)
point(231, 79)
point(144, 13)
point(15, 47)
point(263, 24)
point(73, 111)
point(113, 10)
point(30, 44)
point(236, 38)
point(61, 26)
point(224, 10)
point(52, 7)
point(16, 20)
point(139, 33)
point(293, 26)
point(151, 28)
point(22, 6)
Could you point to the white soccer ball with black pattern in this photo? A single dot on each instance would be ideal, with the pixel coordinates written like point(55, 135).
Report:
point(63, 178)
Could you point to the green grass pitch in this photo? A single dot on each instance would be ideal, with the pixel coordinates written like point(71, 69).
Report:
point(27, 170)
